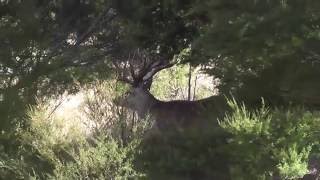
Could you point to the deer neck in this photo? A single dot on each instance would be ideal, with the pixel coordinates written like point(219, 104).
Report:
point(147, 101)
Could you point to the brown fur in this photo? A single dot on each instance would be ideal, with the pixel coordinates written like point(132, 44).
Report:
point(189, 114)
point(177, 114)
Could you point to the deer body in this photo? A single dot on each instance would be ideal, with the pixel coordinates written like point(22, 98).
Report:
point(176, 114)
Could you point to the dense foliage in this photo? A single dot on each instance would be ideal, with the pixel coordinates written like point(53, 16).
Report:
point(269, 142)
point(256, 48)
point(41, 52)
point(262, 48)
point(249, 145)
point(263, 144)
point(57, 148)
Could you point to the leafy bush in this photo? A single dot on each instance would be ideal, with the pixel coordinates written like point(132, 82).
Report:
point(187, 155)
point(57, 148)
point(103, 160)
point(251, 144)
point(22, 161)
point(103, 116)
point(267, 142)
point(14, 167)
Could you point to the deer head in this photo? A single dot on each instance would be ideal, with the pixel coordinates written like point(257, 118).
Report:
point(138, 70)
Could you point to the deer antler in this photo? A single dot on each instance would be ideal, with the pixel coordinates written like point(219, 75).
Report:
point(139, 67)
point(154, 68)
point(124, 69)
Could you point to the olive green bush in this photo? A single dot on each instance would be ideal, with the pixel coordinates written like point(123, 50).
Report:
point(56, 148)
point(271, 142)
point(104, 116)
point(261, 143)
point(184, 156)
point(104, 159)
point(254, 144)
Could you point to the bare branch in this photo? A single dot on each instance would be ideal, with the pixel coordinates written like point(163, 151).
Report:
point(109, 13)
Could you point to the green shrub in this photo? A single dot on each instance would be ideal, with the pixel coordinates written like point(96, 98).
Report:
point(267, 142)
point(251, 144)
point(184, 156)
point(106, 117)
point(21, 161)
point(103, 160)
point(14, 167)
point(57, 148)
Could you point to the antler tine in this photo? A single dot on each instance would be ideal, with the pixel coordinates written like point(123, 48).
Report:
point(145, 65)
point(121, 75)
point(156, 67)
point(131, 66)
point(149, 67)
point(140, 67)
